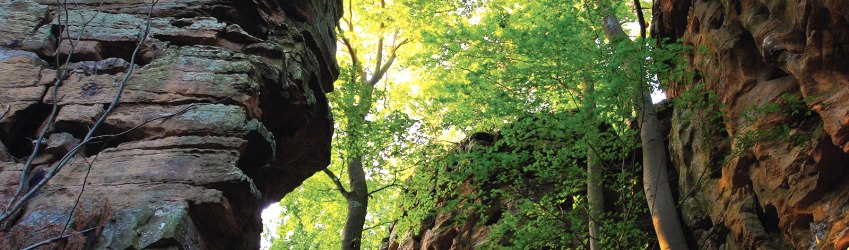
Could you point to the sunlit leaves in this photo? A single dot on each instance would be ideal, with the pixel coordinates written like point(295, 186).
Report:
point(519, 67)
point(369, 126)
point(514, 68)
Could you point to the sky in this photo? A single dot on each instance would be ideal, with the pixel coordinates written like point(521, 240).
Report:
point(270, 221)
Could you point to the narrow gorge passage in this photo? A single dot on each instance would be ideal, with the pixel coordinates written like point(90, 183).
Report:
point(421, 124)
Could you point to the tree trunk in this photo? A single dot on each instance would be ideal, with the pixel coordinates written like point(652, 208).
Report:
point(357, 198)
point(357, 206)
point(667, 226)
point(595, 197)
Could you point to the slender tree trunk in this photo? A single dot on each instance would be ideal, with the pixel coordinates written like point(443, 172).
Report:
point(595, 197)
point(357, 206)
point(357, 198)
point(667, 226)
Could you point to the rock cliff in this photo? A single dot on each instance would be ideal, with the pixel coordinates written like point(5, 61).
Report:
point(754, 178)
point(222, 111)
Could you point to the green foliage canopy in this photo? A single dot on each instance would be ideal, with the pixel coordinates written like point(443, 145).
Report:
point(515, 68)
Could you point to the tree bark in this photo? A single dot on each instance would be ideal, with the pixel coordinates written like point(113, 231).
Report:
point(595, 197)
point(667, 226)
point(357, 198)
point(357, 206)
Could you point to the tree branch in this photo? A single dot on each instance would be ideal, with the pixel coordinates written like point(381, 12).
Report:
point(16, 204)
point(336, 181)
point(376, 226)
point(57, 238)
point(378, 59)
point(640, 19)
point(347, 22)
point(378, 74)
point(8, 107)
point(352, 52)
point(350, 15)
point(382, 188)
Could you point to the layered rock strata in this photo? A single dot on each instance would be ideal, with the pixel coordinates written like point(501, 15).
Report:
point(224, 111)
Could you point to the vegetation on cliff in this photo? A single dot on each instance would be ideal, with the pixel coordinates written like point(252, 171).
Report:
point(529, 125)
point(514, 68)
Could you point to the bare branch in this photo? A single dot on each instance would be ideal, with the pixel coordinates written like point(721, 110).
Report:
point(145, 122)
point(61, 74)
point(82, 190)
point(18, 203)
point(57, 238)
point(8, 107)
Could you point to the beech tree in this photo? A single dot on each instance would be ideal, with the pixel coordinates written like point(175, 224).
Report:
point(358, 193)
point(540, 76)
point(667, 225)
point(367, 134)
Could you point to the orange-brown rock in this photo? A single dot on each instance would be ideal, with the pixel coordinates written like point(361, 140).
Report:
point(224, 113)
point(785, 190)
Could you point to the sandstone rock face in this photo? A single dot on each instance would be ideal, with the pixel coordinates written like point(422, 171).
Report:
point(785, 190)
point(224, 112)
